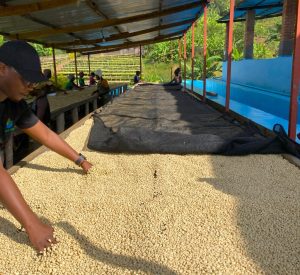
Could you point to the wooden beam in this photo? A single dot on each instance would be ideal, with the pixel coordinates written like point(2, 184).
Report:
point(54, 65)
point(34, 7)
point(179, 52)
point(295, 83)
point(76, 70)
point(160, 19)
point(141, 67)
point(89, 64)
point(126, 34)
point(113, 22)
point(126, 47)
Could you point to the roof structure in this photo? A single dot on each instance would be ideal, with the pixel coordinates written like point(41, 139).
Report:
point(263, 9)
point(93, 26)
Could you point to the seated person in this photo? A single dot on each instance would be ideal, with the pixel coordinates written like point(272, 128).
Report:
point(40, 105)
point(81, 79)
point(102, 84)
point(137, 77)
point(92, 79)
point(102, 88)
point(71, 84)
point(48, 85)
point(177, 77)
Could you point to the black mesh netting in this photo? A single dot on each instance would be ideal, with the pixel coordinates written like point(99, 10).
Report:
point(162, 119)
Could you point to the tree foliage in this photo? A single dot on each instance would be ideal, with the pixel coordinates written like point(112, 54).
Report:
point(267, 35)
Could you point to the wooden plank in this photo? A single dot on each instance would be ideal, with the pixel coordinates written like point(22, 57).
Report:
point(64, 103)
point(54, 65)
point(112, 22)
point(34, 7)
point(293, 160)
point(125, 34)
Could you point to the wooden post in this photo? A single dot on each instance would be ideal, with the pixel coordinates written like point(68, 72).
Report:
point(86, 108)
point(54, 65)
point(76, 71)
point(74, 115)
point(204, 52)
point(229, 54)
point(60, 123)
point(141, 61)
point(95, 104)
point(89, 63)
point(179, 52)
point(9, 151)
point(171, 74)
point(249, 34)
point(295, 79)
point(184, 73)
point(226, 42)
point(289, 17)
point(193, 54)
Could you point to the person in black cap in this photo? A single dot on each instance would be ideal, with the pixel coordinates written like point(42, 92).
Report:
point(20, 69)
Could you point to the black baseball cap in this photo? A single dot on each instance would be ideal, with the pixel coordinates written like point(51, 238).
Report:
point(24, 59)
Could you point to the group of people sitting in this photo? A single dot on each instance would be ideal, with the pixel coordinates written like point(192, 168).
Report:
point(177, 80)
point(95, 78)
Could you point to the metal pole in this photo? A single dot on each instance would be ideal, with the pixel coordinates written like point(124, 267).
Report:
point(204, 52)
point(229, 54)
point(193, 54)
point(89, 63)
point(184, 73)
point(54, 65)
point(295, 80)
point(76, 71)
point(141, 61)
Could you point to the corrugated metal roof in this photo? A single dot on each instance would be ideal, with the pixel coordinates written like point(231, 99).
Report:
point(92, 20)
point(263, 9)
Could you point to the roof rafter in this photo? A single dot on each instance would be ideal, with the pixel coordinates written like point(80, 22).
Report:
point(30, 8)
point(128, 45)
point(138, 44)
point(125, 34)
point(113, 22)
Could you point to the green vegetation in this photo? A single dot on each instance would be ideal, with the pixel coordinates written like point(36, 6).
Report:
point(267, 35)
point(160, 58)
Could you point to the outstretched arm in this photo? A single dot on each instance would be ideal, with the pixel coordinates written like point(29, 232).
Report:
point(47, 137)
point(40, 235)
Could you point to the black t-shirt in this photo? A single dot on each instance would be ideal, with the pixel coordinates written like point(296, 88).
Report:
point(14, 114)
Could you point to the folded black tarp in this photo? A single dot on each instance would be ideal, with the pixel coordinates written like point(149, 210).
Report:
point(155, 119)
